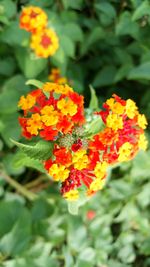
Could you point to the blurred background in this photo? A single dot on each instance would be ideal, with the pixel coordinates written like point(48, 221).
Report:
point(105, 44)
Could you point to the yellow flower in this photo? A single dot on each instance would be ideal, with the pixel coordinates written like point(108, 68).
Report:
point(125, 152)
point(34, 124)
point(100, 169)
point(142, 122)
point(114, 122)
point(71, 195)
point(80, 159)
point(59, 172)
point(27, 102)
point(44, 43)
point(131, 108)
point(97, 184)
point(116, 107)
point(57, 88)
point(142, 143)
point(67, 106)
point(55, 77)
point(49, 115)
point(110, 102)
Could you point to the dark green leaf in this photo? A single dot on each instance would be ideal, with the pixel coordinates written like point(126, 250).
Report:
point(42, 150)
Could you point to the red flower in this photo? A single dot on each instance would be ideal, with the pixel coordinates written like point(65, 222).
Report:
point(62, 156)
point(64, 125)
point(49, 133)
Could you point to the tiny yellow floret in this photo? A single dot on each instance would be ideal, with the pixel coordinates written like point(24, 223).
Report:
point(67, 106)
point(114, 122)
point(72, 195)
point(142, 122)
point(59, 172)
point(27, 102)
point(125, 152)
point(131, 108)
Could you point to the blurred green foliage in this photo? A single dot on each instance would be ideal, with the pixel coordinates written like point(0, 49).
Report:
point(105, 44)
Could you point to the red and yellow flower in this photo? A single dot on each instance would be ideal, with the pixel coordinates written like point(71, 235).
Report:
point(55, 77)
point(33, 19)
point(80, 162)
point(44, 43)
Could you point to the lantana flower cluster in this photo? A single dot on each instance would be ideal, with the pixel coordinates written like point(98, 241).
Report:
point(44, 40)
point(80, 161)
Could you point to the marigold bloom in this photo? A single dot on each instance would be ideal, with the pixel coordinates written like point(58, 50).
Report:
point(34, 124)
point(67, 106)
point(27, 102)
point(44, 43)
point(71, 195)
point(33, 19)
point(59, 172)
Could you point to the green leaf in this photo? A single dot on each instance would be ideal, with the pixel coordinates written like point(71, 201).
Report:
point(95, 126)
point(13, 36)
point(106, 12)
point(17, 240)
point(20, 160)
point(72, 4)
point(7, 66)
point(94, 100)
point(11, 128)
point(10, 212)
point(140, 72)
point(8, 161)
point(36, 83)
point(126, 26)
point(30, 65)
point(59, 58)
point(12, 89)
point(94, 36)
point(105, 76)
point(142, 10)
point(42, 150)
point(9, 8)
point(73, 207)
point(67, 45)
point(86, 257)
point(123, 72)
point(127, 254)
point(73, 31)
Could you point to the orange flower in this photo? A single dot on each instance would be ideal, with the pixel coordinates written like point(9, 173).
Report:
point(56, 77)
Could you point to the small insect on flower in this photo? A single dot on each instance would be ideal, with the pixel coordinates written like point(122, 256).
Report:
point(33, 19)
point(44, 43)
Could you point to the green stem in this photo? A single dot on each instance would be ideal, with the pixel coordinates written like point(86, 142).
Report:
point(21, 189)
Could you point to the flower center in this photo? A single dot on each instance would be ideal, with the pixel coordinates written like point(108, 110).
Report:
point(33, 14)
point(45, 41)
